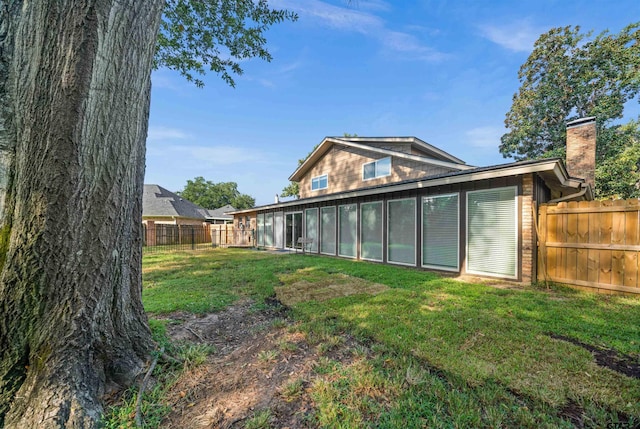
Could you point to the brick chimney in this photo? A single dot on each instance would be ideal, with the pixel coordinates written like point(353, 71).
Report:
point(581, 149)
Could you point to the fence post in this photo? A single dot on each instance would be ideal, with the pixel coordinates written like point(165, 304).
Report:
point(541, 236)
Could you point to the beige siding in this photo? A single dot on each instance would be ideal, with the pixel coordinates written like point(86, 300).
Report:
point(343, 166)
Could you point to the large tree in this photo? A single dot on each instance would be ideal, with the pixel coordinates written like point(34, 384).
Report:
point(211, 195)
point(571, 74)
point(74, 105)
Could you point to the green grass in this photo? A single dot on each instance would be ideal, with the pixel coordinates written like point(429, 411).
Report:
point(202, 282)
point(437, 352)
point(165, 374)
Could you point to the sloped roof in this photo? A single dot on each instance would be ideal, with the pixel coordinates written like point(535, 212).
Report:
point(552, 170)
point(158, 201)
point(220, 213)
point(436, 156)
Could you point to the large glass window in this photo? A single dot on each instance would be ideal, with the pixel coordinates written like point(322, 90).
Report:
point(379, 168)
point(492, 228)
point(260, 229)
point(278, 220)
point(440, 232)
point(320, 182)
point(401, 227)
point(328, 230)
point(371, 231)
point(293, 230)
point(311, 228)
point(268, 229)
point(347, 230)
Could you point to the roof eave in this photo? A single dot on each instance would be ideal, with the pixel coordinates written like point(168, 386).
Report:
point(555, 167)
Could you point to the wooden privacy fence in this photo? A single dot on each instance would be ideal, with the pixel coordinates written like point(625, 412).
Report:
point(591, 244)
point(228, 235)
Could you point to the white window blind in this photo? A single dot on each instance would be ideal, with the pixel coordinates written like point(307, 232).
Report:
point(371, 231)
point(492, 232)
point(311, 228)
point(260, 230)
point(347, 230)
point(278, 220)
point(401, 227)
point(440, 232)
point(268, 229)
point(328, 230)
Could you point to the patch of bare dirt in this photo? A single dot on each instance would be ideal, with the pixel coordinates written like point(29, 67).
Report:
point(624, 364)
point(256, 358)
point(334, 286)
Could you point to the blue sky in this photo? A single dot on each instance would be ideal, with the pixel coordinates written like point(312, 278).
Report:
point(443, 71)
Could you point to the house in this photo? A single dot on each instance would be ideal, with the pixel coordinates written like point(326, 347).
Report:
point(162, 206)
point(220, 216)
point(168, 218)
point(400, 200)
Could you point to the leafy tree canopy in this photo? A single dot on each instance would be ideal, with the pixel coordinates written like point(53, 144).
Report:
point(215, 195)
point(570, 75)
point(217, 34)
point(566, 77)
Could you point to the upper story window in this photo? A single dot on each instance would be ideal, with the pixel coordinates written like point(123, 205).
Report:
point(379, 168)
point(319, 182)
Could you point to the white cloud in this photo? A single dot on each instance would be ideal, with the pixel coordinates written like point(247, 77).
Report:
point(360, 19)
point(408, 44)
point(485, 137)
point(517, 36)
point(337, 17)
point(290, 67)
point(157, 133)
point(218, 155)
point(380, 5)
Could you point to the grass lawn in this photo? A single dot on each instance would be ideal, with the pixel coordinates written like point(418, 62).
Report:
point(436, 352)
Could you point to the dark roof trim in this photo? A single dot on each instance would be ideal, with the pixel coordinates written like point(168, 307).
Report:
point(581, 121)
point(553, 166)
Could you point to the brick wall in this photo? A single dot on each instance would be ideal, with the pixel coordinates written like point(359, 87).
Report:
point(528, 230)
point(581, 149)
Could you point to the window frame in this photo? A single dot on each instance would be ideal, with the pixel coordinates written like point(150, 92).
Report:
point(318, 180)
point(375, 173)
point(360, 239)
point(441, 267)
point(307, 214)
point(414, 235)
point(334, 230)
point(516, 252)
point(339, 225)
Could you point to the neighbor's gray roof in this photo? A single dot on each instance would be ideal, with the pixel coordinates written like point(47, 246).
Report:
point(158, 201)
point(220, 213)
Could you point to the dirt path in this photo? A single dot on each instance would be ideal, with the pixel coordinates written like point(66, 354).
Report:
point(256, 366)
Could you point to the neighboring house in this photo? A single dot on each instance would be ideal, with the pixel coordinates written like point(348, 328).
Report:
point(402, 201)
point(220, 216)
point(162, 206)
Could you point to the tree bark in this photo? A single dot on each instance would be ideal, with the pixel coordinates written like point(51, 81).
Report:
point(74, 106)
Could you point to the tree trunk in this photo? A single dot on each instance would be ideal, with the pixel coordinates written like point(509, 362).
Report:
point(74, 106)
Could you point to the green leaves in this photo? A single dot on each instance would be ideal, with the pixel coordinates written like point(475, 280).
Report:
point(215, 195)
point(570, 75)
point(218, 34)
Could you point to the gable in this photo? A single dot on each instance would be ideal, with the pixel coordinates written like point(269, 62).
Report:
point(338, 164)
